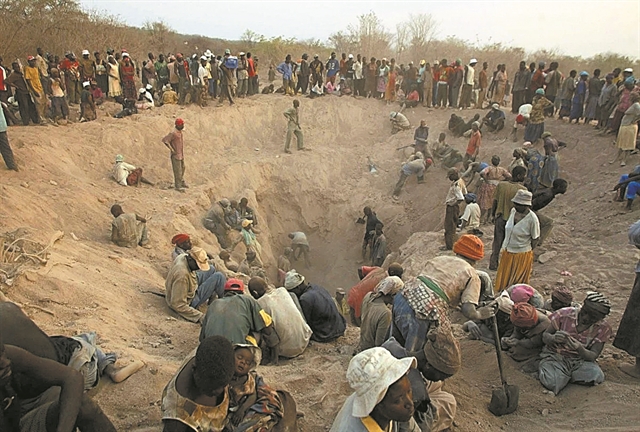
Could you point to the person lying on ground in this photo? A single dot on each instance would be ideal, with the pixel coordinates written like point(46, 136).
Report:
point(253, 405)
point(370, 277)
point(285, 311)
point(128, 229)
point(470, 219)
point(126, 174)
point(529, 325)
point(382, 393)
point(80, 352)
point(182, 292)
point(628, 187)
point(573, 343)
point(240, 318)
point(445, 282)
point(494, 120)
point(59, 404)
point(376, 313)
point(268, 89)
point(197, 397)
point(439, 360)
point(319, 309)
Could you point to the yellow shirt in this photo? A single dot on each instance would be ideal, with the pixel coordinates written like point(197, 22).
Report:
point(32, 74)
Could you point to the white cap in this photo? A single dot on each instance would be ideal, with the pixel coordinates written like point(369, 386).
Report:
point(86, 84)
point(473, 61)
point(292, 279)
point(149, 87)
point(628, 70)
point(203, 58)
point(241, 53)
point(371, 373)
point(125, 54)
point(208, 53)
point(85, 52)
point(350, 55)
point(142, 90)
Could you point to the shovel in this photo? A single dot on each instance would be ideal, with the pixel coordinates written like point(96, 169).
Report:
point(503, 400)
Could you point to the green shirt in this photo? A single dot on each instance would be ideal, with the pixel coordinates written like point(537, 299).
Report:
point(505, 191)
point(234, 316)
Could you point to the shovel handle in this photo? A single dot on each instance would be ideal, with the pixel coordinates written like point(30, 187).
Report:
point(496, 339)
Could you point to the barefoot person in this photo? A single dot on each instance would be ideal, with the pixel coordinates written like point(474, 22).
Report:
point(293, 127)
point(175, 142)
point(628, 335)
point(128, 229)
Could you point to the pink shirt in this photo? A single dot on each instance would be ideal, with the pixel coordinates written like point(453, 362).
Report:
point(176, 141)
point(566, 319)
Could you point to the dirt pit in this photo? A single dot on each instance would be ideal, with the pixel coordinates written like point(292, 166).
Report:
point(90, 284)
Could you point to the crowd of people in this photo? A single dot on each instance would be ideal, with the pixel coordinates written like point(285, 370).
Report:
point(247, 318)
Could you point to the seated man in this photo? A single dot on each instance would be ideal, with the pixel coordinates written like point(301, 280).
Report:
point(345, 90)
point(268, 89)
point(382, 395)
point(319, 309)
point(494, 120)
point(98, 96)
point(399, 122)
point(54, 401)
point(483, 329)
point(169, 96)
point(574, 341)
point(376, 313)
point(128, 229)
point(288, 322)
point(561, 297)
point(126, 174)
point(182, 292)
point(412, 99)
point(183, 245)
point(416, 164)
point(300, 246)
point(197, 397)
point(528, 326)
point(370, 277)
point(456, 123)
point(240, 318)
point(145, 100)
point(251, 266)
point(445, 282)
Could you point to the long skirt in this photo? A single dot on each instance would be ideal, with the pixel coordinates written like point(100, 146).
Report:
point(114, 87)
point(628, 336)
point(577, 109)
point(533, 132)
point(614, 124)
point(382, 85)
point(592, 106)
point(129, 88)
point(627, 137)
point(514, 268)
point(549, 171)
point(485, 195)
point(103, 83)
point(565, 108)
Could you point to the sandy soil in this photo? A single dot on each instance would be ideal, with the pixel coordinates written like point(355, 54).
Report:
point(90, 284)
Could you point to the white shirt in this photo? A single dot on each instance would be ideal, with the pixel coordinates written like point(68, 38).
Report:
point(472, 215)
point(299, 238)
point(148, 98)
point(456, 192)
point(357, 69)
point(471, 73)
point(517, 238)
point(288, 322)
point(202, 74)
point(120, 172)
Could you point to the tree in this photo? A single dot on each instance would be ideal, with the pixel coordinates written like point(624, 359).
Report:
point(159, 34)
point(402, 38)
point(251, 38)
point(422, 29)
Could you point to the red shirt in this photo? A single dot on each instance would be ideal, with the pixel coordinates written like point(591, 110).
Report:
point(413, 96)
point(175, 139)
point(357, 292)
point(474, 143)
point(566, 319)
point(251, 69)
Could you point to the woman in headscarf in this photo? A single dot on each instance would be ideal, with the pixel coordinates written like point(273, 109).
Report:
point(535, 126)
point(577, 103)
point(127, 76)
point(628, 131)
point(628, 335)
point(561, 297)
point(591, 111)
point(624, 102)
point(519, 159)
point(522, 232)
point(573, 342)
point(529, 325)
point(491, 176)
point(501, 85)
point(383, 77)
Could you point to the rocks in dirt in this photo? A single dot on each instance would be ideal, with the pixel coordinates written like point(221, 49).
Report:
point(547, 256)
point(24, 185)
point(102, 200)
point(53, 183)
point(545, 412)
point(75, 237)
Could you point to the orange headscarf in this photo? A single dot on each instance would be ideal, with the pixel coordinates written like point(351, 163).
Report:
point(524, 315)
point(469, 246)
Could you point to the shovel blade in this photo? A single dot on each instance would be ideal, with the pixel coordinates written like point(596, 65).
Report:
point(504, 400)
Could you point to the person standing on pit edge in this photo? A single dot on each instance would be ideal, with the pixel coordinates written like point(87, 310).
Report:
point(5, 148)
point(175, 142)
point(293, 127)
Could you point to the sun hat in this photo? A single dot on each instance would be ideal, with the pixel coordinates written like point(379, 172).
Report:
point(203, 57)
point(142, 90)
point(584, 73)
point(227, 51)
point(125, 54)
point(389, 286)
point(371, 373)
point(234, 284)
point(495, 106)
point(350, 55)
point(86, 84)
point(469, 246)
point(629, 70)
point(200, 256)
point(292, 279)
point(504, 302)
point(546, 134)
point(119, 158)
point(472, 61)
point(246, 223)
point(442, 351)
point(522, 197)
point(85, 52)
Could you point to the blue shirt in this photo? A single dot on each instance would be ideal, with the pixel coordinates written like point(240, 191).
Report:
point(322, 314)
point(333, 66)
point(286, 70)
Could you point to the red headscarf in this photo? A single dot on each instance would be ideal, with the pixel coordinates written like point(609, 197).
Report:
point(524, 315)
point(180, 238)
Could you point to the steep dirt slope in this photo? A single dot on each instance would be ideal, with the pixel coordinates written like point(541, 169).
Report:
point(236, 151)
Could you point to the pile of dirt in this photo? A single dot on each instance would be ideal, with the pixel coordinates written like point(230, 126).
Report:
point(90, 284)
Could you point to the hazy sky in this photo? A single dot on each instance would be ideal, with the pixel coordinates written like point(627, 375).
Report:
point(573, 27)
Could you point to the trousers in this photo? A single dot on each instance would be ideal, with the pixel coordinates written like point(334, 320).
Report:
point(212, 283)
point(298, 133)
point(465, 98)
point(451, 217)
point(401, 181)
point(178, 172)
point(498, 238)
point(556, 371)
point(443, 94)
point(5, 150)
point(546, 225)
